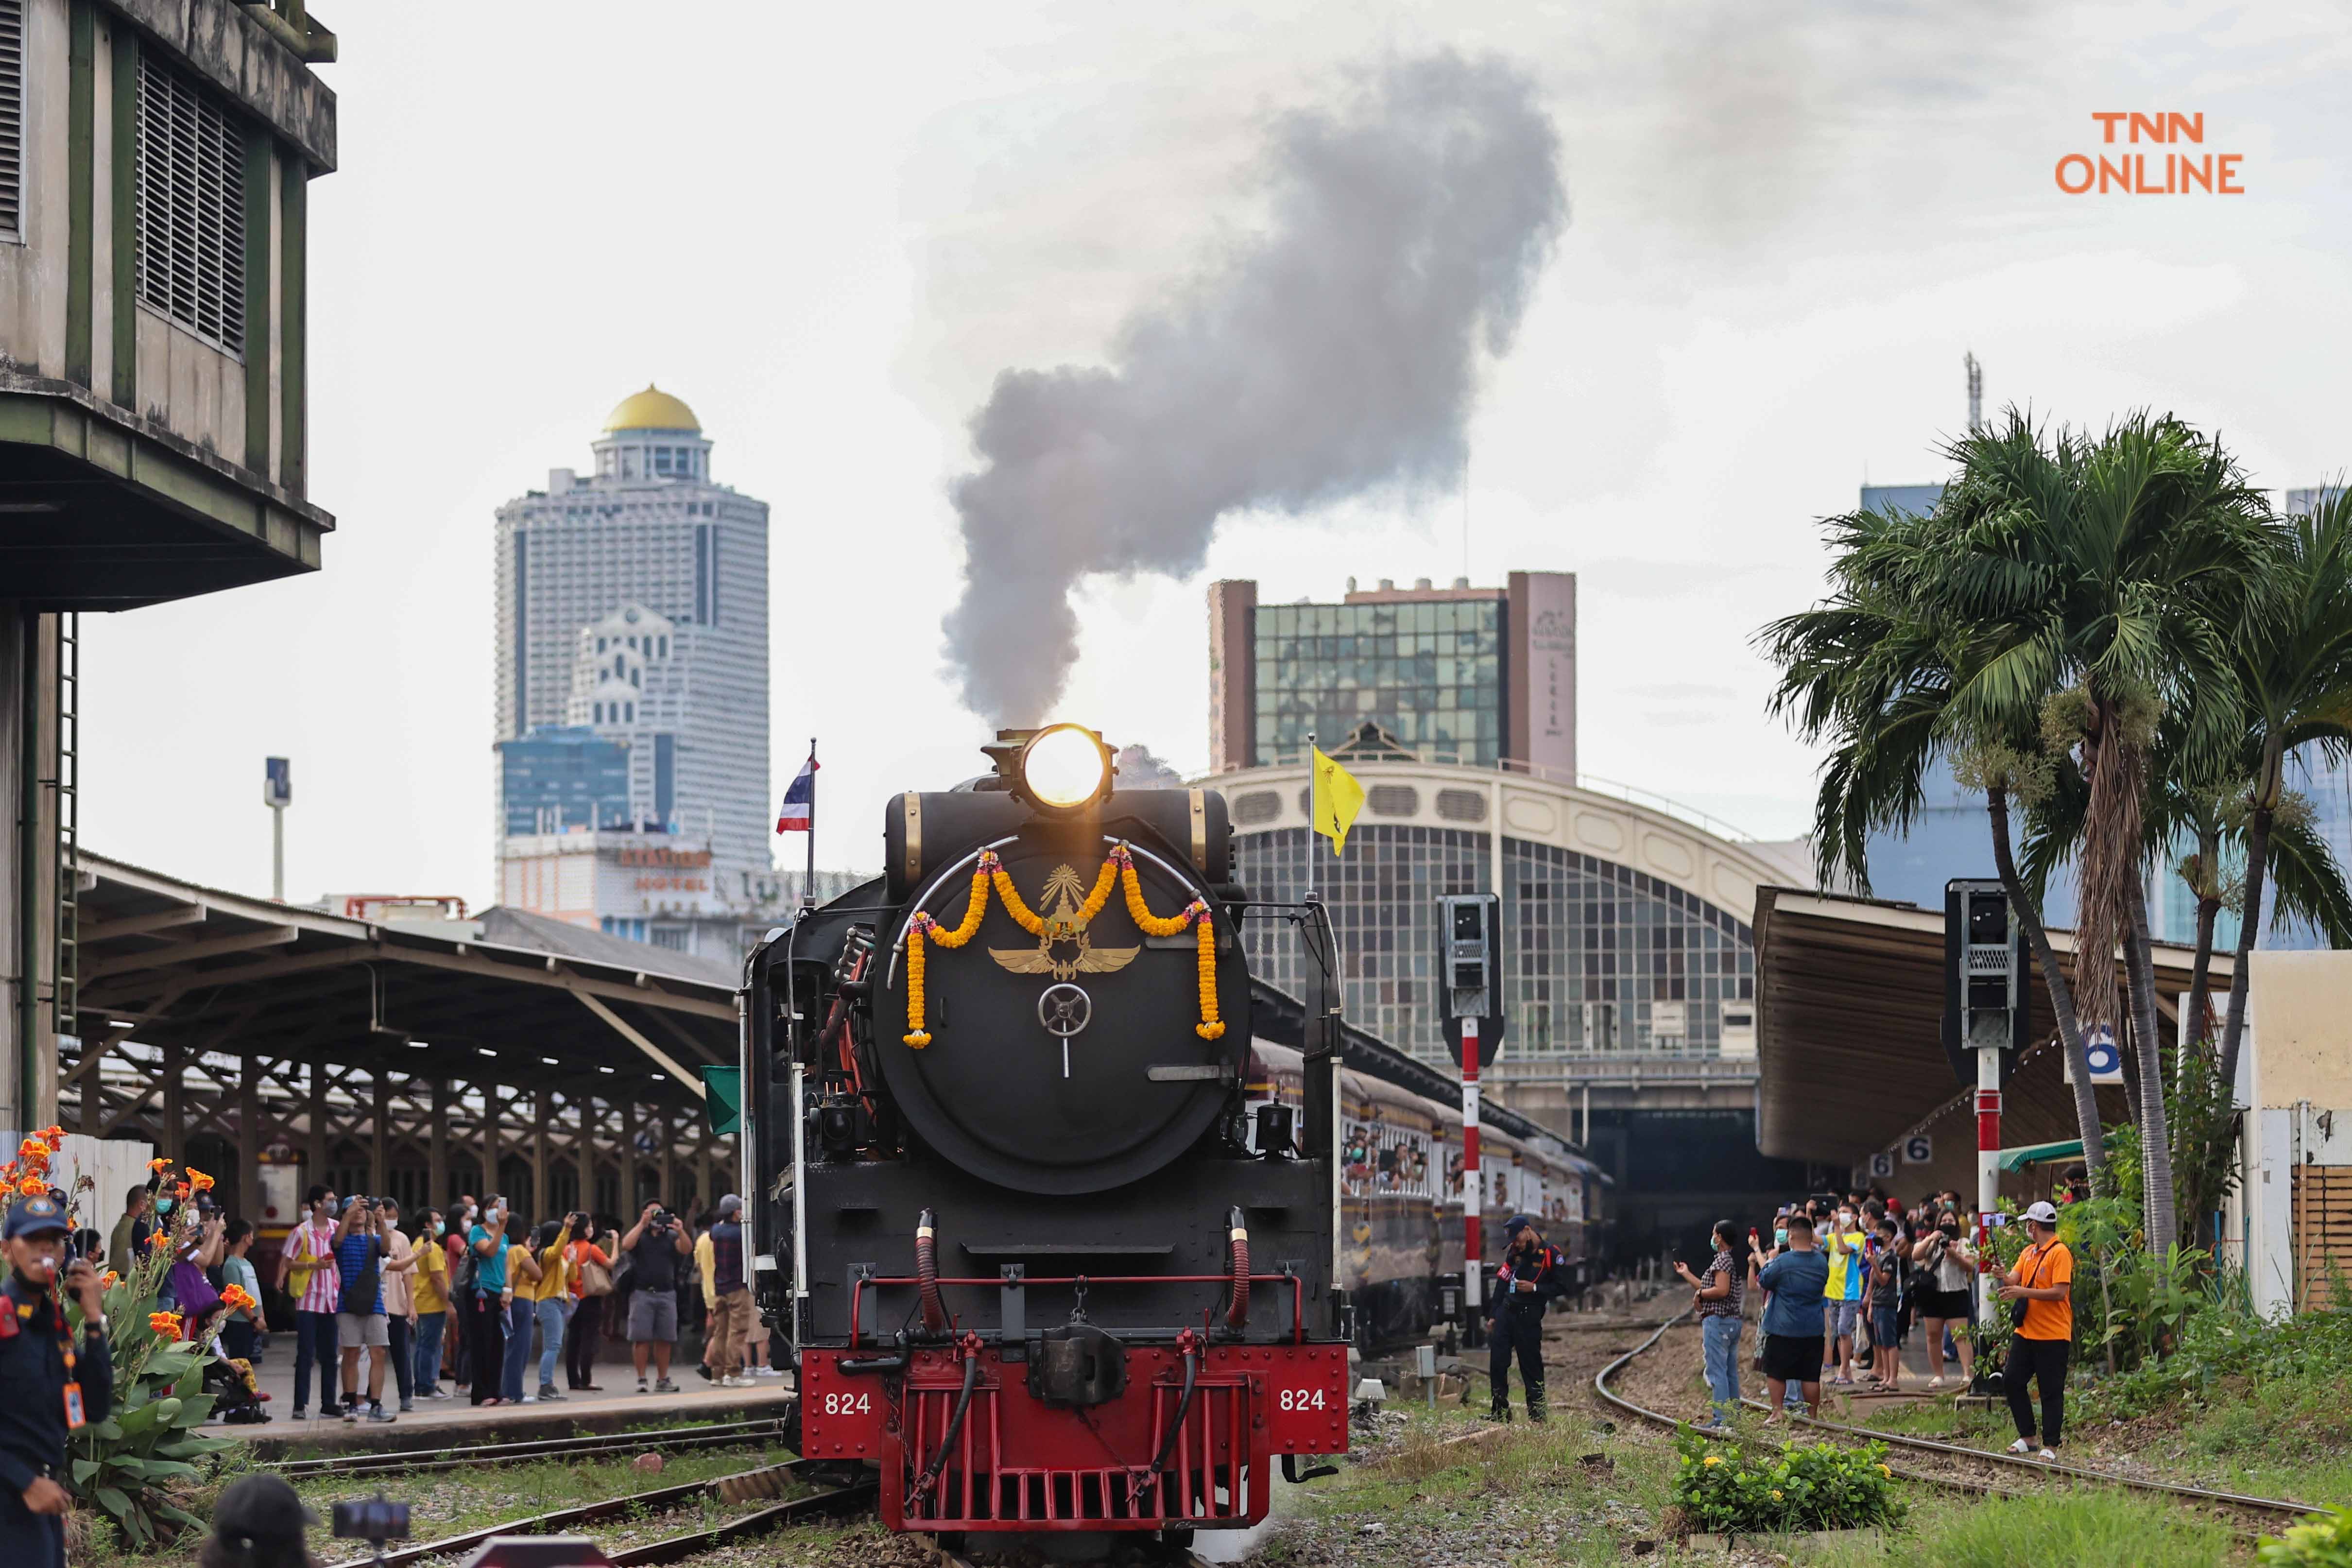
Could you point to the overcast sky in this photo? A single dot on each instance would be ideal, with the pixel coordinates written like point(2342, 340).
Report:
point(829, 228)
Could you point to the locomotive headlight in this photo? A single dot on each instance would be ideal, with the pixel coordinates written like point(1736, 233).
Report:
point(1064, 767)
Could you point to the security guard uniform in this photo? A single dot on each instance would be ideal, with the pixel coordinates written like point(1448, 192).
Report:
point(1517, 1315)
point(47, 1379)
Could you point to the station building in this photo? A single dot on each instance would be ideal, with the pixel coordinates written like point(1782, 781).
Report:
point(155, 162)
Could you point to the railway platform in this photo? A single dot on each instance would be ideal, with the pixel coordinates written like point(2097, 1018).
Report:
point(618, 1406)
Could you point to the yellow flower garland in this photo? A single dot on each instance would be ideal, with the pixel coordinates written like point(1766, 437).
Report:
point(923, 929)
point(1118, 866)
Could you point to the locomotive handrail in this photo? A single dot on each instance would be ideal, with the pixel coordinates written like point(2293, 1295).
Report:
point(1298, 1291)
point(922, 896)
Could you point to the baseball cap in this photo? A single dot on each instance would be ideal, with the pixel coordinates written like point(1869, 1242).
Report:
point(40, 1215)
point(2043, 1213)
point(730, 1204)
point(1516, 1224)
point(260, 1508)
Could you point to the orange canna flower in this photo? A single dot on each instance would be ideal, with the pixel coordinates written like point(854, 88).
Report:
point(32, 1149)
point(165, 1325)
point(110, 1279)
point(179, 1189)
point(199, 1181)
point(157, 1164)
point(32, 1186)
point(237, 1300)
point(54, 1137)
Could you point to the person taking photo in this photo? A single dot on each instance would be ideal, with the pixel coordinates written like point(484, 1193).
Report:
point(1718, 1299)
point(2039, 1290)
point(1794, 1332)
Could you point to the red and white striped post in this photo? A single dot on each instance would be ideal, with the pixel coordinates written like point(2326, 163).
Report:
point(1472, 1192)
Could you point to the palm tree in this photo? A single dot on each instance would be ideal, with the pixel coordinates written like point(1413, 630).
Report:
point(2076, 584)
point(1873, 667)
point(2294, 669)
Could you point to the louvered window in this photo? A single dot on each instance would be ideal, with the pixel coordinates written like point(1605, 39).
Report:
point(191, 206)
point(12, 116)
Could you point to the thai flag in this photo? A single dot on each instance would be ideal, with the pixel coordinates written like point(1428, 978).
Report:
point(798, 814)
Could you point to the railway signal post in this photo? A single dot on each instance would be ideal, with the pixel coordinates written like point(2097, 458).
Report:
point(1472, 1019)
point(1986, 1014)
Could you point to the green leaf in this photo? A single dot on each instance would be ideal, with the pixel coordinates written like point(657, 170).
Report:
point(83, 1469)
point(113, 1502)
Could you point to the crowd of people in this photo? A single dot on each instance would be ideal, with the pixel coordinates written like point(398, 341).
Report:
point(386, 1309)
point(1844, 1284)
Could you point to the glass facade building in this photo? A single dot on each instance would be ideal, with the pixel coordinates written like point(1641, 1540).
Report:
point(1430, 672)
point(1599, 959)
point(561, 776)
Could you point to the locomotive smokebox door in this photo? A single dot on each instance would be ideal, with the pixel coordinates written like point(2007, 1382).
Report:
point(1078, 1364)
point(1066, 1048)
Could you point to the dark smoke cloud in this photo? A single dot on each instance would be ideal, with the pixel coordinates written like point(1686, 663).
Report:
point(1334, 353)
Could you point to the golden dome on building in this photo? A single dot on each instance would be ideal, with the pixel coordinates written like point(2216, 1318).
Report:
point(651, 410)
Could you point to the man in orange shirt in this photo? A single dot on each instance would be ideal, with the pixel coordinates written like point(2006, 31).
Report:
point(2040, 1288)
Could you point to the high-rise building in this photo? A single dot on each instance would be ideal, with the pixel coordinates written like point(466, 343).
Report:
point(632, 604)
point(560, 776)
point(1480, 676)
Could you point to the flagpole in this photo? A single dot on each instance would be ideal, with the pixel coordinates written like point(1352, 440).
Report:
point(1312, 803)
point(808, 885)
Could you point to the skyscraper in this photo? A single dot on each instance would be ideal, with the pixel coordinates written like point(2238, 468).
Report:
point(633, 603)
point(1475, 675)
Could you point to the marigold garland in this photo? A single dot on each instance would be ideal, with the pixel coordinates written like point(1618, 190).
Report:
point(1117, 868)
point(923, 930)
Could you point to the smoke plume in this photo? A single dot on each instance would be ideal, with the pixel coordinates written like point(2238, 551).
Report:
point(1142, 768)
point(1334, 353)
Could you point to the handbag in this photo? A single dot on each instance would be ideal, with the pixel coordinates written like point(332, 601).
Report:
point(595, 1279)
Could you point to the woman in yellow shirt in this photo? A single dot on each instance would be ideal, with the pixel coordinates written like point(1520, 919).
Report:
point(432, 1287)
point(550, 1294)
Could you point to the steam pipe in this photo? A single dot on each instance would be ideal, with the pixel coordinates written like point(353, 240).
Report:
point(1176, 1427)
point(1237, 1314)
point(927, 1274)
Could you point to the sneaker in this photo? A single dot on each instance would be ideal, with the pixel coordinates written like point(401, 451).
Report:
point(767, 1371)
point(2048, 1454)
point(592, 1388)
point(406, 1405)
point(665, 1386)
point(530, 1399)
point(1934, 1382)
point(2023, 1446)
point(350, 1412)
point(704, 1368)
point(378, 1413)
point(641, 1385)
point(547, 1392)
point(300, 1413)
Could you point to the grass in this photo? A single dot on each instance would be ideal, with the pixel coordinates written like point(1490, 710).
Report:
point(2088, 1529)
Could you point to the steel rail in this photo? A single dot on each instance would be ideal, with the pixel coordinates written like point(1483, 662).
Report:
point(680, 1548)
point(660, 1499)
point(371, 1462)
point(2281, 1507)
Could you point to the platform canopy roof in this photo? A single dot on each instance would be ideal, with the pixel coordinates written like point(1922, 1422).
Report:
point(1849, 1019)
point(507, 998)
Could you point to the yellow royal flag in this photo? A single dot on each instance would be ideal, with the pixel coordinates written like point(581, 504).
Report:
point(1338, 798)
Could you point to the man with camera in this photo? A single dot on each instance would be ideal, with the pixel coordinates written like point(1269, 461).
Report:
point(362, 1254)
point(52, 1381)
point(2039, 1292)
point(654, 1246)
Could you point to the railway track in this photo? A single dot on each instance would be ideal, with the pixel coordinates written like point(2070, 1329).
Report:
point(766, 1481)
point(720, 1434)
point(1960, 1468)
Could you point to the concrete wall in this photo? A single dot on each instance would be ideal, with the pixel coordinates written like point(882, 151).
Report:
point(2302, 1017)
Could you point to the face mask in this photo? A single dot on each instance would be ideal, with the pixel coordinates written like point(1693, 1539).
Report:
point(440, 1228)
point(1780, 1236)
point(162, 1207)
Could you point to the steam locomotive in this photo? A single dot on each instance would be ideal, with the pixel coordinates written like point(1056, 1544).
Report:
point(1040, 1257)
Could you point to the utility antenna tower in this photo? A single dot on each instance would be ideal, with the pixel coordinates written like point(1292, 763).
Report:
point(1976, 393)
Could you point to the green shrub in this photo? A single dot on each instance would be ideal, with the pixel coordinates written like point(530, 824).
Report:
point(2323, 1541)
point(1819, 1486)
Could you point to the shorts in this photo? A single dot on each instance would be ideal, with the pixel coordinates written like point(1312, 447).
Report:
point(1883, 1331)
point(356, 1331)
point(1792, 1358)
point(1942, 1304)
point(1842, 1315)
point(653, 1317)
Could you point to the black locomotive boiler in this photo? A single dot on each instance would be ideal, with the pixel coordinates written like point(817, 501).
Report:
point(1038, 1258)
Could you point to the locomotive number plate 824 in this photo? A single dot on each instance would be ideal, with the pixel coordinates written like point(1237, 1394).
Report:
point(841, 1414)
point(1307, 1402)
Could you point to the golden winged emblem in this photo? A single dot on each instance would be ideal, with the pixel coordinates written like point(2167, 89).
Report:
point(1064, 950)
